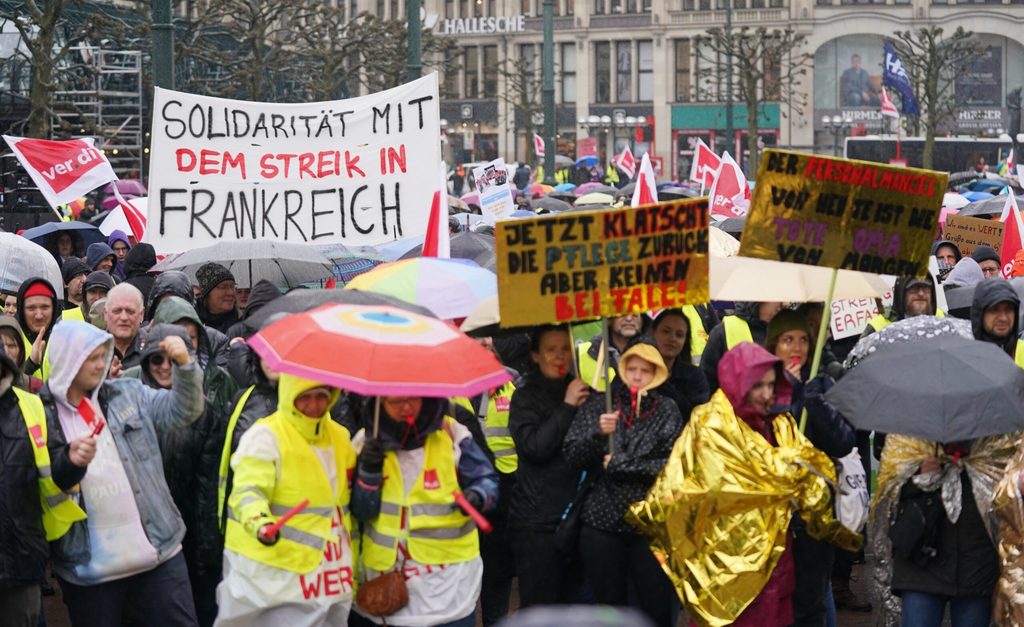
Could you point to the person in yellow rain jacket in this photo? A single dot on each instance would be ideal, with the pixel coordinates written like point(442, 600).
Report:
point(302, 575)
point(403, 495)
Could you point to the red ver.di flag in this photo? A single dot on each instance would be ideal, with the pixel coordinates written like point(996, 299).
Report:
point(730, 193)
point(1013, 229)
point(626, 162)
point(63, 170)
point(705, 165)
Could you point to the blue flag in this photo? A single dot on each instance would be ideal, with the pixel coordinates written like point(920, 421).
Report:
point(894, 76)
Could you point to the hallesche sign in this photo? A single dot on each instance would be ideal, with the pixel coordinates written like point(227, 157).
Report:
point(484, 25)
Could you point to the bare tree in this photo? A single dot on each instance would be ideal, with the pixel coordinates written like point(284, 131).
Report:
point(767, 66)
point(522, 93)
point(932, 61)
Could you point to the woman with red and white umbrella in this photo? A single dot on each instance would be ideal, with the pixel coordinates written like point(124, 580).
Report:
point(420, 481)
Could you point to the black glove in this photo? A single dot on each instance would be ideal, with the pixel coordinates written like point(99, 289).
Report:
point(371, 458)
point(261, 536)
point(475, 500)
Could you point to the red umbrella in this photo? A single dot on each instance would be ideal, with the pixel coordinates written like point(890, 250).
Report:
point(378, 350)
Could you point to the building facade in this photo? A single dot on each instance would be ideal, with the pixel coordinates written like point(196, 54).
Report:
point(628, 72)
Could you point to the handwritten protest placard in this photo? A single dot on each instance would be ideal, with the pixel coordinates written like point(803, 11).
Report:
point(356, 172)
point(496, 201)
point(840, 213)
point(585, 265)
point(968, 233)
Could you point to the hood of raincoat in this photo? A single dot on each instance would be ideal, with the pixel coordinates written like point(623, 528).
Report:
point(171, 282)
point(98, 252)
point(9, 373)
point(741, 368)
point(139, 260)
point(289, 388)
point(156, 334)
point(70, 345)
point(965, 273)
point(10, 325)
point(945, 242)
point(262, 293)
point(648, 352)
point(117, 235)
point(749, 311)
point(987, 294)
point(173, 309)
point(406, 435)
point(899, 289)
point(20, 315)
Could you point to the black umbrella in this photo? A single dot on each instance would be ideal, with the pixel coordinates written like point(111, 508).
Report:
point(944, 389)
point(568, 197)
point(547, 203)
point(300, 300)
point(677, 193)
point(477, 247)
point(988, 207)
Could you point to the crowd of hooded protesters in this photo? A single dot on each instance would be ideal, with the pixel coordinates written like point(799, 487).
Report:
point(169, 511)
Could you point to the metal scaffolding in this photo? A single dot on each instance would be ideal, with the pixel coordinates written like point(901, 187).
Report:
point(106, 103)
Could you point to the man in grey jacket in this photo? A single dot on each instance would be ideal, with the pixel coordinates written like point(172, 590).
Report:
point(124, 561)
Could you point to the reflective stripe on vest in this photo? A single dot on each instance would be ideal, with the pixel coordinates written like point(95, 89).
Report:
point(698, 336)
point(499, 438)
point(225, 456)
point(436, 531)
point(737, 331)
point(588, 368)
point(59, 510)
point(301, 476)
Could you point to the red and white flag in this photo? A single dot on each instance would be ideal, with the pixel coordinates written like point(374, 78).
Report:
point(888, 106)
point(1012, 230)
point(136, 219)
point(63, 170)
point(626, 162)
point(730, 192)
point(538, 145)
point(646, 190)
point(705, 165)
point(438, 241)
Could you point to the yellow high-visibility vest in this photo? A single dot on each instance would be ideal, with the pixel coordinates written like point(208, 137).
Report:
point(437, 530)
point(737, 331)
point(301, 476)
point(60, 511)
point(698, 336)
point(496, 432)
point(225, 455)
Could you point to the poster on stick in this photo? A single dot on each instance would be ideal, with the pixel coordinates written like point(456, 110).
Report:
point(592, 264)
point(968, 233)
point(496, 201)
point(841, 213)
point(351, 172)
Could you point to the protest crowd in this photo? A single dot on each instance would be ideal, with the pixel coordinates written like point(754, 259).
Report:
point(613, 413)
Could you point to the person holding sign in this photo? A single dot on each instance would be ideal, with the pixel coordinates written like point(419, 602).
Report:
point(543, 409)
point(286, 565)
point(645, 425)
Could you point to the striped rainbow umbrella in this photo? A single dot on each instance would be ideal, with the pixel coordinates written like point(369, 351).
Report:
point(450, 288)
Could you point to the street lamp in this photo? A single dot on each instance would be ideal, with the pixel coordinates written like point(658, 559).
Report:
point(838, 126)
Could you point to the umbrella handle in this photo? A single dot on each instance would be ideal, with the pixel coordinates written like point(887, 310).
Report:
point(376, 418)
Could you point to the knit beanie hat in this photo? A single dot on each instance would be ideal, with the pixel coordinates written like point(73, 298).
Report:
point(73, 266)
point(787, 320)
point(99, 279)
point(985, 253)
point(209, 276)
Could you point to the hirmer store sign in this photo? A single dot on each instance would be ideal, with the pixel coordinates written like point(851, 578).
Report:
point(483, 25)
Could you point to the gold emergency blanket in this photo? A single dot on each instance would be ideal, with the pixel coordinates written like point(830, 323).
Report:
point(1009, 509)
point(900, 462)
point(718, 514)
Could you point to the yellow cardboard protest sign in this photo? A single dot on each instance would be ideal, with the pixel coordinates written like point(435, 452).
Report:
point(591, 264)
point(841, 213)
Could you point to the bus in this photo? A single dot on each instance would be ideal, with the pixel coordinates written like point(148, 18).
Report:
point(951, 154)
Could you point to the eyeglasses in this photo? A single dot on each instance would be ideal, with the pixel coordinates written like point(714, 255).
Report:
point(158, 360)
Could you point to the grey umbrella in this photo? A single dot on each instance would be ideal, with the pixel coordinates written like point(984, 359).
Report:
point(943, 389)
point(733, 226)
point(987, 207)
point(908, 330)
point(547, 203)
point(250, 261)
point(22, 259)
point(477, 247)
point(561, 161)
point(305, 299)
